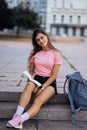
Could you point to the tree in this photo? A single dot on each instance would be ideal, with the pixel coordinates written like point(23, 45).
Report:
point(5, 15)
point(25, 18)
point(21, 17)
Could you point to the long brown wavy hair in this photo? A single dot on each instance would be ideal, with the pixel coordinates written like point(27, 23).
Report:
point(36, 47)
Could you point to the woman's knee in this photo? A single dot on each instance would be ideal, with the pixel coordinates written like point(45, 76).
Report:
point(29, 87)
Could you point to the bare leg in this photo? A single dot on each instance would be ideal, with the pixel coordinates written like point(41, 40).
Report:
point(40, 100)
point(26, 94)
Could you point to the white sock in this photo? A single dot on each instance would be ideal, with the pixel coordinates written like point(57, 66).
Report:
point(19, 110)
point(25, 116)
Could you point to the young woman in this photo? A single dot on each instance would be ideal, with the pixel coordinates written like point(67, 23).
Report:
point(44, 65)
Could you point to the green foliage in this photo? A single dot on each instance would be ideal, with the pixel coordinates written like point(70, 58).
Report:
point(24, 18)
point(21, 17)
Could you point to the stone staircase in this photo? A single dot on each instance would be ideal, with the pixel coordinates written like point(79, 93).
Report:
point(57, 108)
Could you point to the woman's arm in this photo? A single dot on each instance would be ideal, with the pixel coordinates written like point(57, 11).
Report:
point(31, 68)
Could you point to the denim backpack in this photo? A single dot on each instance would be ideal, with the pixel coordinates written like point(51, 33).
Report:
point(77, 93)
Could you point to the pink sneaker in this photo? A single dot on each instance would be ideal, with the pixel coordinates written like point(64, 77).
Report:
point(15, 122)
point(15, 115)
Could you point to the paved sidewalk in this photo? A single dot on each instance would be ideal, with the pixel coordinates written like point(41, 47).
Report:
point(13, 61)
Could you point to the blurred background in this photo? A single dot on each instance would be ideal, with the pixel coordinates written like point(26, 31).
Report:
point(64, 18)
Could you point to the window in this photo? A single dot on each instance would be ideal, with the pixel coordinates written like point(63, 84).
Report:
point(66, 30)
point(62, 19)
point(63, 3)
point(54, 18)
point(82, 31)
point(71, 5)
point(70, 19)
point(78, 19)
point(40, 19)
point(55, 3)
point(74, 31)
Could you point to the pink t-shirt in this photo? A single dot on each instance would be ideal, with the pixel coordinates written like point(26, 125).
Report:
point(44, 61)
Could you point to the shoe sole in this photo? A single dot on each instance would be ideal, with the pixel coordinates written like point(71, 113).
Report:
point(11, 126)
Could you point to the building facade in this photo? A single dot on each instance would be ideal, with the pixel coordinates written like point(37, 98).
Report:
point(60, 17)
point(67, 17)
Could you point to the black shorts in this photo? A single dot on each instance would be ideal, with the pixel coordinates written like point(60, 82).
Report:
point(43, 79)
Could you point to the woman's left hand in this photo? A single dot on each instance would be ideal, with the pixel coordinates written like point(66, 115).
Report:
point(39, 91)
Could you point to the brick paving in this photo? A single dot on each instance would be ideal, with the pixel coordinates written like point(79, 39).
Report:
point(13, 61)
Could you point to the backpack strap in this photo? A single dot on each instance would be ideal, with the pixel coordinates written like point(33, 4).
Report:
point(69, 95)
point(64, 86)
point(73, 110)
point(64, 90)
point(70, 100)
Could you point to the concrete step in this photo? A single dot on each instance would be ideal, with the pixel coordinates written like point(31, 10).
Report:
point(48, 112)
point(45, 125)
point(14, 96)
point(57, 108)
